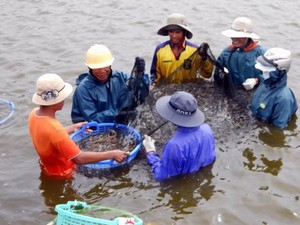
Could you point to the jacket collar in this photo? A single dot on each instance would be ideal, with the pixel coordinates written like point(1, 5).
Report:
point(251, 46)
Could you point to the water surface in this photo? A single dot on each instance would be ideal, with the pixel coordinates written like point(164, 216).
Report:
point(255, 178)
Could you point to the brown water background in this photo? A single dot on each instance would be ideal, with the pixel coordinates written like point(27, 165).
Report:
point(255, 179)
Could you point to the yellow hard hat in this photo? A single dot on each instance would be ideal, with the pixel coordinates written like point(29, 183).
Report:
point(98, 56)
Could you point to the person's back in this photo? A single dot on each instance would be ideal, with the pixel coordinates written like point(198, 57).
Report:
point(49, 137)
point(187, 151)
point(190, 148)
point(273, 101)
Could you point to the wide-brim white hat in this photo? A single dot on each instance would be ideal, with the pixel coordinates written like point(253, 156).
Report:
point(181, 109)
point(241, 27)
point(50, 90)
point(176, 21)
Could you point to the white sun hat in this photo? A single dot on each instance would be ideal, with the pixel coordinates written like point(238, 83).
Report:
point(51, 89)
point(242, 27)
point(176, 21)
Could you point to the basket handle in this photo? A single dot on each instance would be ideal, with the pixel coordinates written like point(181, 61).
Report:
point(90, 125)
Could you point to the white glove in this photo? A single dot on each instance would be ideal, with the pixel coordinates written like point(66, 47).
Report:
point(249, 83)
point(148, 143)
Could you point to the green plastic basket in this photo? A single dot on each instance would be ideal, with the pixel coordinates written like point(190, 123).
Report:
point(72, 213)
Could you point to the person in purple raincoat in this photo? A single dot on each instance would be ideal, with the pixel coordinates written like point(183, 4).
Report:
point(190, 148)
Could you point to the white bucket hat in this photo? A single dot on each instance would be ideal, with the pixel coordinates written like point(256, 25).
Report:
point(181, 109)
point(176, 21)
point(50, 90)
point(241, 27)
point(274, 58)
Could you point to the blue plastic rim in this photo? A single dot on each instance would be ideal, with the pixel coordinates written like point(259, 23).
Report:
point(104, 128)
point(11, 110)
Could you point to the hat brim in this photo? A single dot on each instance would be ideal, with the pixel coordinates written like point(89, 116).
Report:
point(165, 111)
point(164, 30)
point(239, 34)
point(63, 94)
point(262, 65)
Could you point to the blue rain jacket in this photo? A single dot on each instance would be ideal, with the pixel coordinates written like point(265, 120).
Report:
point(240, 64)
point(273, 101)
point(186, 152)
point(101, 102)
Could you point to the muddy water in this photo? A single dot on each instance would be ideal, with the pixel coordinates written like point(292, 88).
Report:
point(255, 178)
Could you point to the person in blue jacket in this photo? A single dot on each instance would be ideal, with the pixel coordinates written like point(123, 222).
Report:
point(273, 101)
point(239, 58)
point(193, 144)
point(104, 95)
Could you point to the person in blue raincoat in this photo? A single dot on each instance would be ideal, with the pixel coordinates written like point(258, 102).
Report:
point(273, 101)
point(239, 58)
point(193, 144)
point(104, 95)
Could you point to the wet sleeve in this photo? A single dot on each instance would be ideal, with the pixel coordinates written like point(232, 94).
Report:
point(169, 165)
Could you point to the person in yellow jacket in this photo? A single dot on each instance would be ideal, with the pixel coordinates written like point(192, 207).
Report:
point(178, 60)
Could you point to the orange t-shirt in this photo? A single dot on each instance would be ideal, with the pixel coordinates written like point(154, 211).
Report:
point(53, 144)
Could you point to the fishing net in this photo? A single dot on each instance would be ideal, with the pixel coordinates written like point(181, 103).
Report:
point(228, 117)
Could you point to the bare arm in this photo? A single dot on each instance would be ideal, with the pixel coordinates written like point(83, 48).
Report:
point(74, 127)
point(92, 157)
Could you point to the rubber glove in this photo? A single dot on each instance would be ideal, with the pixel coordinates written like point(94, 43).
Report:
point(202, 50)
point(148, 144)
point(140, 64)
point(249, 83)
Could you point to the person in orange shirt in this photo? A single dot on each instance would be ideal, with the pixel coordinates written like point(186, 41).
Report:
point(58, 153)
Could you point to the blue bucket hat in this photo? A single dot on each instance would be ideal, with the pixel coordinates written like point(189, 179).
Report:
point(181, 109)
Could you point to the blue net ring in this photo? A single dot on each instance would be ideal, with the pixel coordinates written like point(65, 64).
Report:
point(11, 110)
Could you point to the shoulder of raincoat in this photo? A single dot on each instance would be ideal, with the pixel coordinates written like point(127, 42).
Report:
point(95, 101)
point(240, 63)
point(274, 102)
point(186, 152)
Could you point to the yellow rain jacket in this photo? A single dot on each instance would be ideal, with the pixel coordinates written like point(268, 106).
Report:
point(166, 66)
